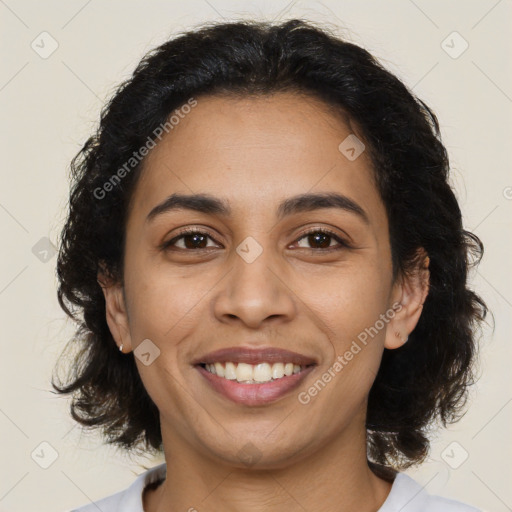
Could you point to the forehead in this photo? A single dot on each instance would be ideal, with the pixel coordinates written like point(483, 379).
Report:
point(254, 152)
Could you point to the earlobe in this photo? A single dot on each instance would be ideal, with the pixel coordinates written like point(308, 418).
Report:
point(115, 311)
point(410, 292)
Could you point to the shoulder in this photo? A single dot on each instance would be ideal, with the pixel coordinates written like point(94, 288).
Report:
point(129, 499)
point(407, 495)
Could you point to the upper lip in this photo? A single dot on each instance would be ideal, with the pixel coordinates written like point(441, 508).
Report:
point(255, 356)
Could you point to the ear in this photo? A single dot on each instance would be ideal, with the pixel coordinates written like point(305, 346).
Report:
point(408, 296)
point(115, 310)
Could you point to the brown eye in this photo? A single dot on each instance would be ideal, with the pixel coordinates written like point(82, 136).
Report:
point(191, 240)
point(320, 239)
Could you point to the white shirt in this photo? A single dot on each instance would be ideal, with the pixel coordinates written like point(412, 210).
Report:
point(406, 495)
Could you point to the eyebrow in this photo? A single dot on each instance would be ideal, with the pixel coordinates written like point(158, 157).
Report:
point(207, 204)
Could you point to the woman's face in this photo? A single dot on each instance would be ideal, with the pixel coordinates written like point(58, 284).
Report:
point(254, 279)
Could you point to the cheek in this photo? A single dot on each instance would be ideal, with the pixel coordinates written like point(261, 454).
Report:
point(164, 301)
point(346, 300)
point(348, 306)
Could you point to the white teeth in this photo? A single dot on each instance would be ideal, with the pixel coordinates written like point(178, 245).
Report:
point(277, 370)
point(252, 374)
point(288, 369)
point(219, 370)
point(244, 372)
point(230, 372)
point(262, 372)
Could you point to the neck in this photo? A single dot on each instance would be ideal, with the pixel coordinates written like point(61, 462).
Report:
point(335, 478)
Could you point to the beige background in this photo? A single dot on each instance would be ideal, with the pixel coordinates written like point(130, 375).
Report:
point(50, 105)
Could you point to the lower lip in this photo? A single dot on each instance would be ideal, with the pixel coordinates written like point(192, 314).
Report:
point(254, 394)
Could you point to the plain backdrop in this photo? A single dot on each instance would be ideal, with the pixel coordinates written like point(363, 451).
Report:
point(62, 60)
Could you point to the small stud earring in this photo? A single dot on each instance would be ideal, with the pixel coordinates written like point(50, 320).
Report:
point(121, 348)
point(398, 335)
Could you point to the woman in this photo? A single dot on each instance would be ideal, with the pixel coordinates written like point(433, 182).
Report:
point(272, 272)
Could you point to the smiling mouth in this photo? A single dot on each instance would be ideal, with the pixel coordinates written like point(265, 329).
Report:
point(260, 373)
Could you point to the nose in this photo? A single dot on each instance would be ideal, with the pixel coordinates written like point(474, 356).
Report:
point(255, 292)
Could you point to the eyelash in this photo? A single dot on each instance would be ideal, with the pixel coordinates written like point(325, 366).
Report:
point(190, 231)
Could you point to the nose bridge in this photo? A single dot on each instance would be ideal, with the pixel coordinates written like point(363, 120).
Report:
point(253, 290)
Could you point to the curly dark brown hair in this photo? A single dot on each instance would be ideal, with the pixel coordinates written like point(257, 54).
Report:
point(425, 380)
